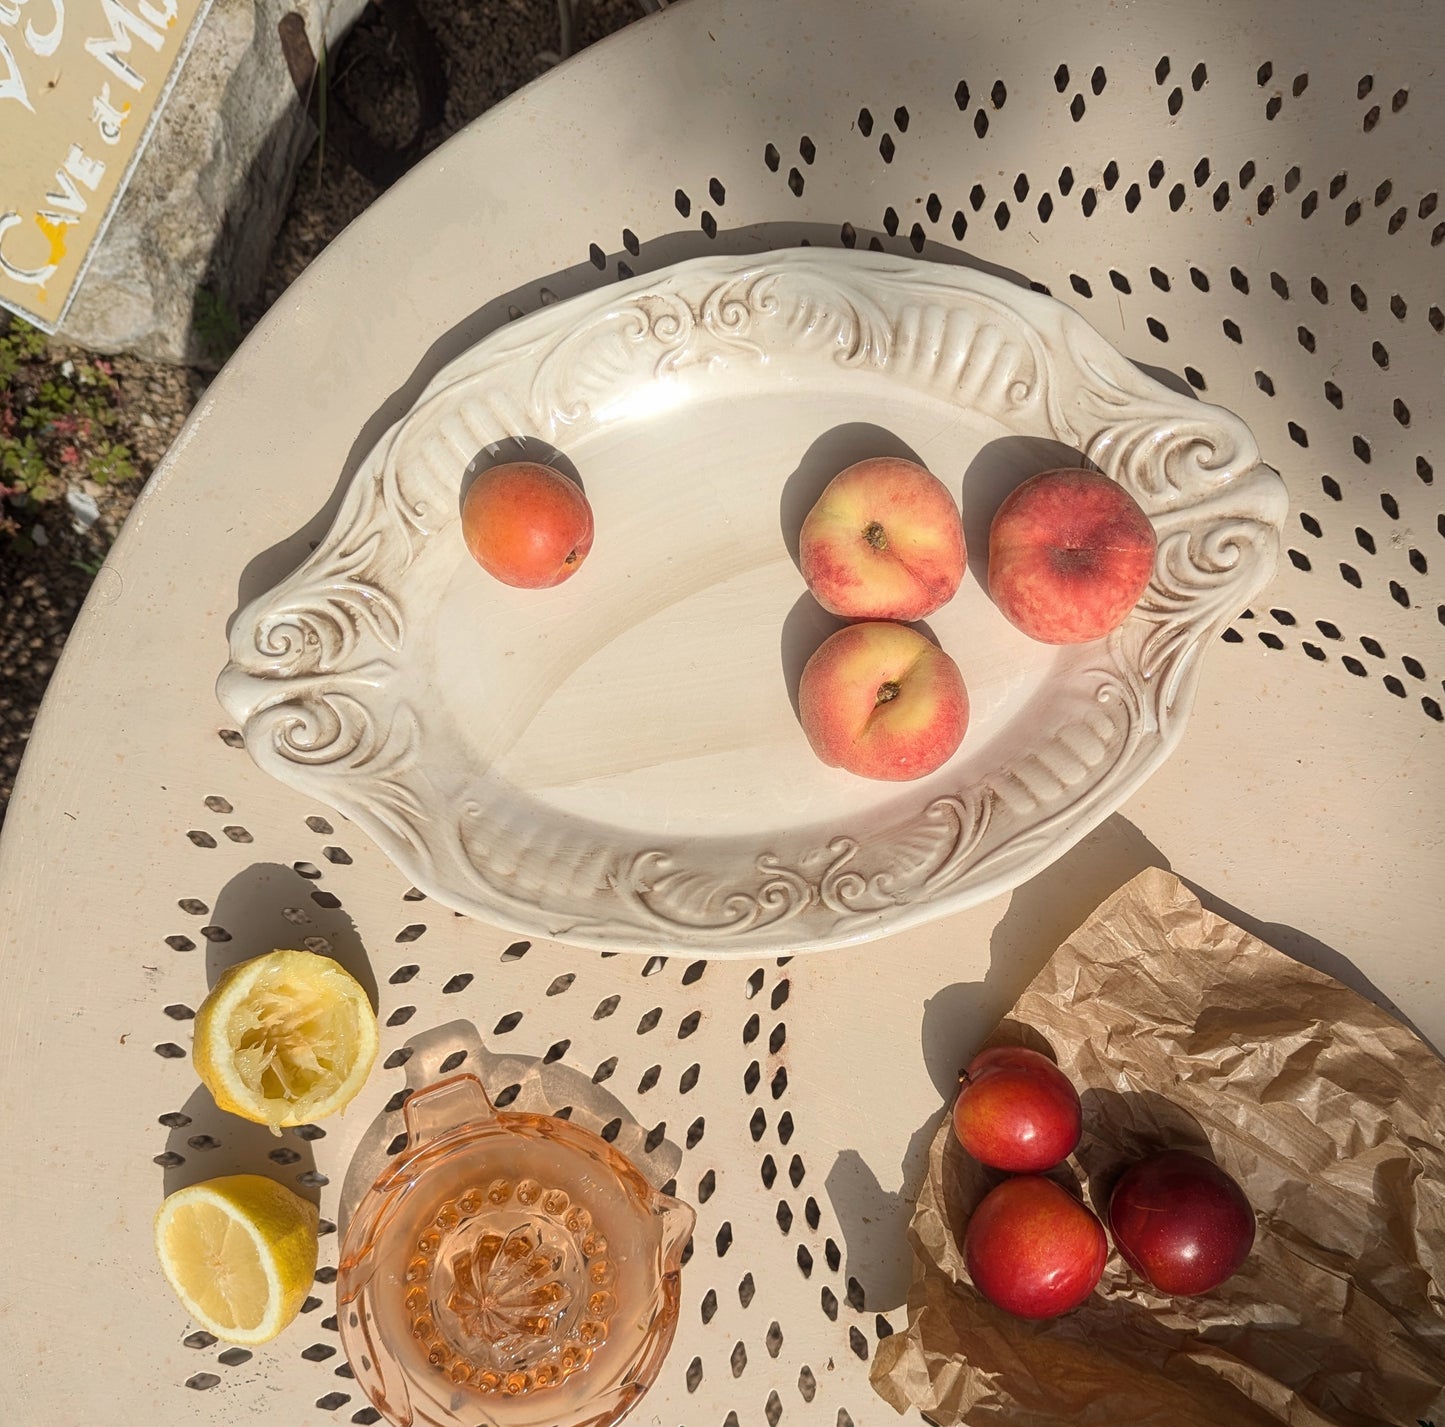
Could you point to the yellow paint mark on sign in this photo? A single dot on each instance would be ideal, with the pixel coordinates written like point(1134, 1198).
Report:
point(56, 233)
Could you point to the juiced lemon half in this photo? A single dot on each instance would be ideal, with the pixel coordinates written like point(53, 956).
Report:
point(240, 1252)
point(285, 1038)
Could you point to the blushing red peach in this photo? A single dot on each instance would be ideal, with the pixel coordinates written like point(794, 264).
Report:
point(1016, 1110)
point(527, 524)
point(1069, 554)
point(881, 700)
point(1034, 1250)
point(1181, 1222)
point(883, 541)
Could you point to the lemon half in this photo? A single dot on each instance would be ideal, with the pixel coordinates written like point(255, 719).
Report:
point(240, 1252)
point(285, 1038)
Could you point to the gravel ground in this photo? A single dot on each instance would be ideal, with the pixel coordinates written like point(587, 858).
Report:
point(489, 48)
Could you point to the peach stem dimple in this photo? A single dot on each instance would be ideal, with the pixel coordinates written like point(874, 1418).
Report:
point(896, 685)
point(875, 535)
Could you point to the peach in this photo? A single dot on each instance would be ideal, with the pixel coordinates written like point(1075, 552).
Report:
point(880, 700)
point(527, 524)
point(1016, 1110)
point(1034, 1250)
point(1069, 554)
point(883, 541)
point(1181, 1222)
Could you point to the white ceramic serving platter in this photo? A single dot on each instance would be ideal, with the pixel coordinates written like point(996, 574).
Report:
point(617, 762)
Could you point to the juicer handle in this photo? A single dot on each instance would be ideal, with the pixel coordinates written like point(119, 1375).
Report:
point(448, 1105)
point(678, 1220)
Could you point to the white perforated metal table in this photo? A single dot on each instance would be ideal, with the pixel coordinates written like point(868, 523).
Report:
point(1250, 205)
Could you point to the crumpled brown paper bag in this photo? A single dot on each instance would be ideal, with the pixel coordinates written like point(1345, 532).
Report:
point(1179, 1029)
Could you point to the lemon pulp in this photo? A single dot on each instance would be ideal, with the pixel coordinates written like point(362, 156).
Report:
point(285, 1038)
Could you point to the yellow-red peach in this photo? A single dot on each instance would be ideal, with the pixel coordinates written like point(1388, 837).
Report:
point(883, 541)
point(1032, 1249)
point(527, 524)
point(881, 700)
point(1069, 554)
point(1017, 1110)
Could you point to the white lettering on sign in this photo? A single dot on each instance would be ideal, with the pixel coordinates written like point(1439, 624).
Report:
point(40, 44)
point(68, 205)
point(108, 49)
point(30, 277)
point(76, 167)
point(108, 118)
point(12, 82)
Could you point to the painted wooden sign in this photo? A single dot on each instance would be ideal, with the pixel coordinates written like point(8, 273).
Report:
point(81, 82)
